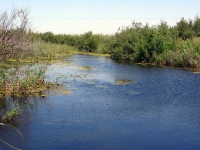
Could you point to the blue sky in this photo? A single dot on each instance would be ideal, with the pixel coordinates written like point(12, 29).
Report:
point(101, 16)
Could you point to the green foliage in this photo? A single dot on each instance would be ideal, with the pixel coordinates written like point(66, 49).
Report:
point(139, 43)
point(159, 44)
point(196, 26)
point(185, 54)
point(48, 37)
point(185, 29)
point(11, 115)
point(91, 44)
point(88, 41)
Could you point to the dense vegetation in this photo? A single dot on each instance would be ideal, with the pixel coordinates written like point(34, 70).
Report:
point(87, 42)
point(177, 46)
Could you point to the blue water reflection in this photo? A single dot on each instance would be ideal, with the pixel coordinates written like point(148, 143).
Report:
point(161, 110)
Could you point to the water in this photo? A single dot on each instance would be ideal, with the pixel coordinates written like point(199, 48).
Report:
point(160, 110)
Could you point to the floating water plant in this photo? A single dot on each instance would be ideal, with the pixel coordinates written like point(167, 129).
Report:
point(85, 68)
point(123, 81)
point(11, 115)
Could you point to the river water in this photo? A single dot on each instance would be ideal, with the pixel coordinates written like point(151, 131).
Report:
point(156, 108)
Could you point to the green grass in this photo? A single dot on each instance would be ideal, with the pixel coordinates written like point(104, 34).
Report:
point(46, 52)
point(52, 52)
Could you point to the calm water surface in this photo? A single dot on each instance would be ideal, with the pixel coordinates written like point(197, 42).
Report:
point(160, 110)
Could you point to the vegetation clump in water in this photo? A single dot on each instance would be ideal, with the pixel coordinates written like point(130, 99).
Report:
point(22, 81)
point(12, 114)
point(123, 82)
point(85, 68)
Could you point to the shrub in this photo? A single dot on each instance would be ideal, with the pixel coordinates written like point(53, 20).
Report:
point(14, 33)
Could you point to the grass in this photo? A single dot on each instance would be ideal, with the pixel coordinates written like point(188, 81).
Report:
point(47, 52)
point(17, 78)
point(24, 81)
point(43, 52)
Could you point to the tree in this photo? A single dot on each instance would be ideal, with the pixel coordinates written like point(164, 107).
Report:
point(48, 37)
point(91, 44)
point(196, 26)
point(14, 33)
point(185, 30)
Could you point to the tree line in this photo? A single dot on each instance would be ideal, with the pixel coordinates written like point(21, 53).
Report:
point(88, 41)
point(177, 46)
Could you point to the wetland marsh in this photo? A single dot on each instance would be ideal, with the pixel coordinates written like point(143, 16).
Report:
point(101, 103)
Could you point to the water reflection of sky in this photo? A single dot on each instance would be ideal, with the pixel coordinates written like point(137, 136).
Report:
point(161, 110)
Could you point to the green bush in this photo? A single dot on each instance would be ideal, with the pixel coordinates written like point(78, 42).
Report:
point(162, 44)
point(85, 42)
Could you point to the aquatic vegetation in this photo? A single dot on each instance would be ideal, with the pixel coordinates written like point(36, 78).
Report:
point(85, 68)
point(62, 91)
point(11, 115)
point(8, 119)
point(123, 81)
point(196, 72)
point(101, 86)
point(24, 81)
point(134, 93)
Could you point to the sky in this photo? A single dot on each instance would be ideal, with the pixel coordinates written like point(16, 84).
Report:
point(101, 16)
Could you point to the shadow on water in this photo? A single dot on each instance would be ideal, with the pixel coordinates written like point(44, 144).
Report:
point(160, 109)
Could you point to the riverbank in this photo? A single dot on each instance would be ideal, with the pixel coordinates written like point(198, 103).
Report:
point(159, 49)
point(25, 76)
point(34, 83)
point(185, 56)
